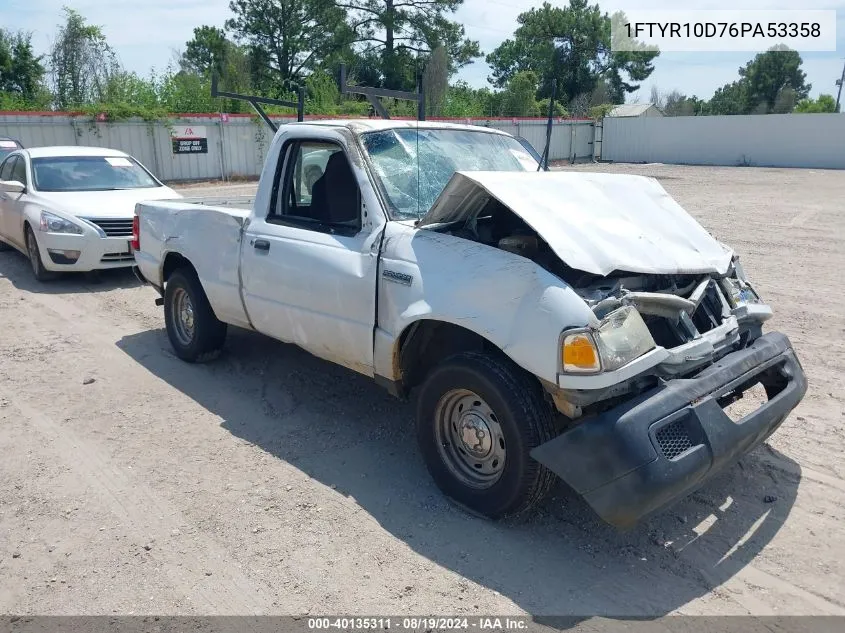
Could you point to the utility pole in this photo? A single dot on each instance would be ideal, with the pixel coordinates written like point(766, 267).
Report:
point(839, 83)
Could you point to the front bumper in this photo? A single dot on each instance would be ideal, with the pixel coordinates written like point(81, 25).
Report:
point(647, 453)
point(96, 253)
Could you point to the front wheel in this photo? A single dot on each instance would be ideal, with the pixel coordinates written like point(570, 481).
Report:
point(194, 331)
point(38, 270)
point(478, 418)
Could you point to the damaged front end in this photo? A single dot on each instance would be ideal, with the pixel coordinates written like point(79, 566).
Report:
point(677, 334)
point(642, 436)
point(692, 321)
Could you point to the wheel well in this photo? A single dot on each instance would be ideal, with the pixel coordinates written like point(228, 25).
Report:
point(424, 344)
point(172, 262)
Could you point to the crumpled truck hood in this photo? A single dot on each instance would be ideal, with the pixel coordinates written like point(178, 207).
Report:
point(595, 222)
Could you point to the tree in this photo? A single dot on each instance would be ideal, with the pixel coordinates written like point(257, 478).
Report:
point(771, 83)
point(436, 80)
point(519, 97)
point(571, 44)
point(825, 103)
point(207, 52)
point(731, 98)
point(675, 103)
point(21, 70)
point(775, 78)
point(401, 31)
point(288, 38)
point(462, 100)
point(81, 62)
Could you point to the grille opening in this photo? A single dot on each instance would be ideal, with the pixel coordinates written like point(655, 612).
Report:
point(663, 331)
point(709, 313)
point(117, 257)
point(114, 227)
point(673, 439)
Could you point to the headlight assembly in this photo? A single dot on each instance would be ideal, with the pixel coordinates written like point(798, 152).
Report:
point(51, 223)
point(740, 290)
point(622, 336)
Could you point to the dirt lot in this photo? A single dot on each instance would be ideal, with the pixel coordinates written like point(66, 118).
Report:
point(271, 482)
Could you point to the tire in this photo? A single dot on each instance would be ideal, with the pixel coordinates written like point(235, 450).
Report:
point(34, 255)
point(478, 395)
point(195, 333)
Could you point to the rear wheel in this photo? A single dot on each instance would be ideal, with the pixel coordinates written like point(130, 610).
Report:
point(478, 418)
point(194, 332)
point(41, 273)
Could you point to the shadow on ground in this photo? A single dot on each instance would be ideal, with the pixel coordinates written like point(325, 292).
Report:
point(15, 267)
point(342, 430)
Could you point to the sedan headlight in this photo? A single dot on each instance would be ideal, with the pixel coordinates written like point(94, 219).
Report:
point(622, 336)
point(51, 223)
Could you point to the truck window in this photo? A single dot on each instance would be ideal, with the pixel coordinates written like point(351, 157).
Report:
point(318, 190)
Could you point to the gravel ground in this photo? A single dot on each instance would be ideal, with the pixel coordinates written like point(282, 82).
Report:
point(272, 482)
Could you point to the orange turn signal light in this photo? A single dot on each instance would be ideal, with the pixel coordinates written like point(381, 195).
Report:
point(579, 353)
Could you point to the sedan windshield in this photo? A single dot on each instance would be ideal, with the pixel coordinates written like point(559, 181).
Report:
point(413, 166)
point(90, 173)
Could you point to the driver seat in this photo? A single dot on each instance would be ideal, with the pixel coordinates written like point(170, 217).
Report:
point(334, 198)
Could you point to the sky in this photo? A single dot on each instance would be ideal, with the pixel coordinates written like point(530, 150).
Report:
point(146, 34)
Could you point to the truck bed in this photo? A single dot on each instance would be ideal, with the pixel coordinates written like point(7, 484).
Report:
point(208, 236)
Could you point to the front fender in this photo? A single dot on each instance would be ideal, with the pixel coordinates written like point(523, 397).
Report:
point(504, 298)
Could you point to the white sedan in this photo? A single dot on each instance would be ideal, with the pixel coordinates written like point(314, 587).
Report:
point(71, 208)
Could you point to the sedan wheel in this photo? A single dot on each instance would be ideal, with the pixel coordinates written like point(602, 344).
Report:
point(41, 273)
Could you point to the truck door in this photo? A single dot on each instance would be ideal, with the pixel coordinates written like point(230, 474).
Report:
point(309, 266)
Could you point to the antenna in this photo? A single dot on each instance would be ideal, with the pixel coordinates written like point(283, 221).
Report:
point(544, 159)
point(839, 83)
point(373, 94)
point(256, 102)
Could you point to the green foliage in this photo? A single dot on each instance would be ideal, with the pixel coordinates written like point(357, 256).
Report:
point(21, 70)
point(464, 101)
point(401, 34)
point(570, 44)
point(288, 38)
point(206, 53)
point(600, 111)
point(518, 99)
point(825, 103)
point(770, 74)
point(676, 103)
point(81, 62)
point(559, 109)
point(771, 83)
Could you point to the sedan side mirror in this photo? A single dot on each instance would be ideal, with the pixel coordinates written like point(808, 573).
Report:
point(12, 186)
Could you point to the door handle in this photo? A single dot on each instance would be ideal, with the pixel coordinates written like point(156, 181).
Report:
point(261, 245)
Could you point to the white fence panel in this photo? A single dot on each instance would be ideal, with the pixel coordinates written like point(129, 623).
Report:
point(238, 147)
point(772, 140)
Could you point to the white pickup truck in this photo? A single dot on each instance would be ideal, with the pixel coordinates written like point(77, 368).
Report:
point(577, 324)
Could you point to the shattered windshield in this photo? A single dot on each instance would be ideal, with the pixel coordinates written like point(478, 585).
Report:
point(412, 186)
